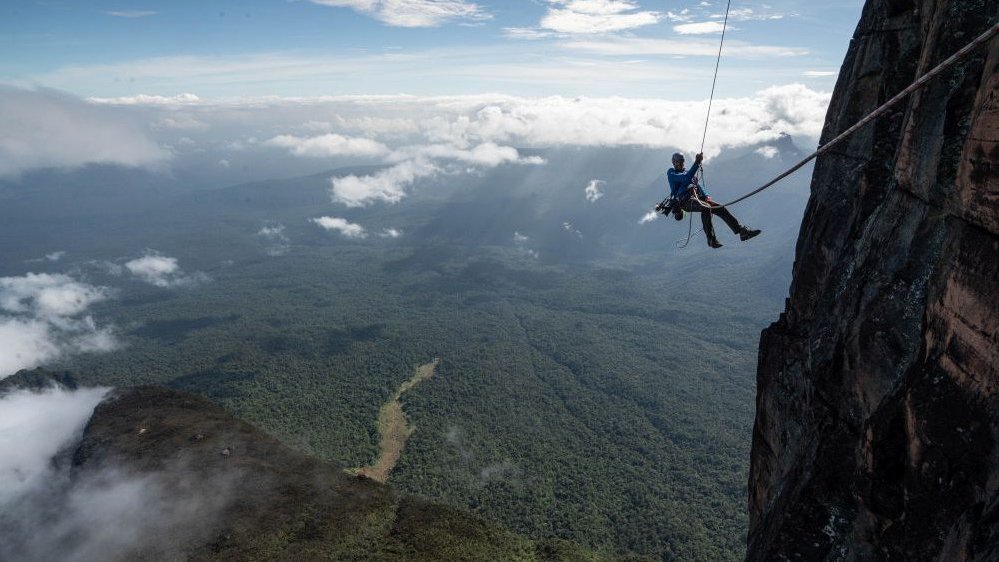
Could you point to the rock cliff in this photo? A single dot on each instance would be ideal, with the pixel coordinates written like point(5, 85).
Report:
point(877, 425)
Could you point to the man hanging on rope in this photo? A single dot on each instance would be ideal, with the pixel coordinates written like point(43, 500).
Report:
point(691, 197)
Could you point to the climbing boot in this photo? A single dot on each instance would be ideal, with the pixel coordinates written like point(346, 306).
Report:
point(747, 233)
point(714, 243)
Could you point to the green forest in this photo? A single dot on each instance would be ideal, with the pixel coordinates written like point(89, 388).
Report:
point(591, 404)
point(600, 391)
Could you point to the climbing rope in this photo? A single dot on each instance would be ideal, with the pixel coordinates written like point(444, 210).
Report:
point(714, 81)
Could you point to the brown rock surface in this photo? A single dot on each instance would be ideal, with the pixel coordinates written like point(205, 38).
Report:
point(877, 417)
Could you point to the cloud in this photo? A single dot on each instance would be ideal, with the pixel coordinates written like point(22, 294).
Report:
point(749, 14)
point(51, 257)
point(51, 509)
point(388, 185)
point(278, 241)
point(819, 73)
point(390, 233)
point(34, 428)
point(648, 217)
point(44, 128)
point(700, 28)
point(681, 16)
point(418, 162)
point(453, 126)
point(347, 229)
point(521, 241)
point(144, 99)
point(638, 46)
point(413, 13)
point(162, 271)
point(767, 151)
point(46, 296)
point(568, 227)
point(40, 320)
point(595, 16)
point(328, 145)
point(592, 190)
point(486, 155)
point(130, 13)
point(179, 122)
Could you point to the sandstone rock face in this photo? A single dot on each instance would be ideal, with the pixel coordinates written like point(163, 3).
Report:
point(877, 426)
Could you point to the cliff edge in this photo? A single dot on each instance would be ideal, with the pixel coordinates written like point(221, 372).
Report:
point(877, 425)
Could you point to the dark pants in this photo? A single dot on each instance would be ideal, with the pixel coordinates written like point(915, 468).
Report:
point(692, 206)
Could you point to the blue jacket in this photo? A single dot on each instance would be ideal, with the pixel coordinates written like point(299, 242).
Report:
point(679, 182)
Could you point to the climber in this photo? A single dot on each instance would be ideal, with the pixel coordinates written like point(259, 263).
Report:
point(683, 184)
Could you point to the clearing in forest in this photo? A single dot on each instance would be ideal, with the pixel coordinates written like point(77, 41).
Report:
point(393, 428)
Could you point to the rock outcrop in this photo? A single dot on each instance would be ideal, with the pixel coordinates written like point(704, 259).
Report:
point(877, 428)
point(160, 474)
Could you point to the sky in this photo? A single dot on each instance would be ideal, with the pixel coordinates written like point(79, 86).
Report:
point(228, 92)
point(660, 49)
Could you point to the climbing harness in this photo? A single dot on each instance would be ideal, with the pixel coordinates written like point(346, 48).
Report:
point(919, 83)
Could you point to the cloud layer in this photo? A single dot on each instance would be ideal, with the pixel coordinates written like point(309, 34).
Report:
point(44, 128)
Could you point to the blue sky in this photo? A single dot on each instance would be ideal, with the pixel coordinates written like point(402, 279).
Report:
point(629, 48)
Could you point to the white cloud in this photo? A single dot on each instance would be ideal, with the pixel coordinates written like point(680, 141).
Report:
point(144, 99)
point(568, 227)
point(328, 145)
point(700, 28)
point(179, 122)
point(51, 509)
point(487, 155)
point(418, 162)
point(648, 217)
point(223, 163)
point(34, 428)
point(162, 271)
point(45, 128)
point(521, 240)
point(278, 241)
point(767, 151)
point(274, 232)
point(749, 14)
point(595, 16)
point(592, 190)
point(388, 185)
point(52, 257)
point(681, 16)
point(638, 46)
point(347, 229)
point(40, 320)
point(130, 13)
point(391, 233)
point(45, 295)
point(819, 73)
point(413, 13)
